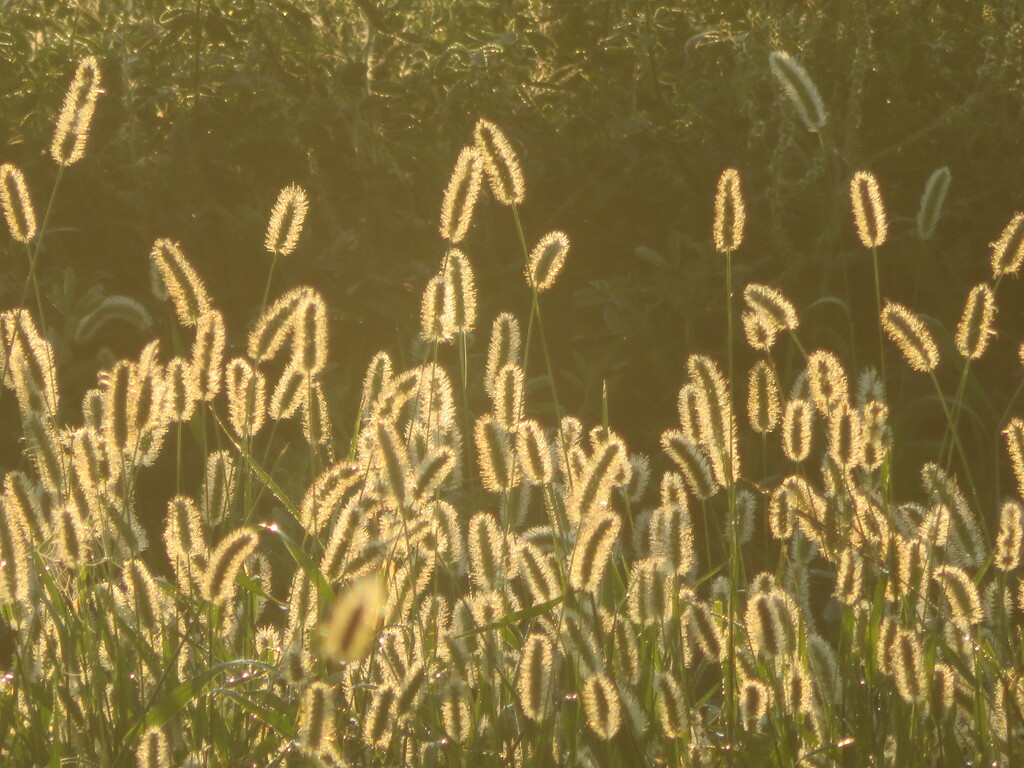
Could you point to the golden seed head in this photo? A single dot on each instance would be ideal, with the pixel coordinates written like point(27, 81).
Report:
point(868, 210)
point(183, 284)
point(593, 550)
point(771, 303)
point(691, 461)
point(907, 660)
point(962, 595)
point(277, 324)
point(797, 425)
point(208, 355)
point(459, 311)
point(75, 118)
point(1010, 540)
point(754, 699)
point(717, 424)
point(603, 706)
point(154, 749)
point(729, 212)
point(435, 328)
point(536, 665)
point(247, 395)
point(461, 195)
point(763, 398)
point(975, 328)
point(226, 563)
point(500, 164)
point(503, 347)
point(827, 380)
point(849, 578)
point(761, 331)
point(534, 453)
point(546, 260)
point(286, 220)
point(354, 620)
point(498, 468)
point(309, 335)
point(670, 704)
point(909, 332)
point(16, 204)
point(317, 718)
point(1008, 250)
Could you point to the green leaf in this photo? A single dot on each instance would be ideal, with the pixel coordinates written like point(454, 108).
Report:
point(277, 716)
point(176, 700)
point(305, 562)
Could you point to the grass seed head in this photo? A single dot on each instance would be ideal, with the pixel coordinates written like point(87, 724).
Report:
point(910, 334)
point(16, 204)
point(75, 117)
point(800, 89)
point(868, 209)
point(730, 212)
point(286, 220)
point(975, 331)
point(501, 164)
point(934, 197)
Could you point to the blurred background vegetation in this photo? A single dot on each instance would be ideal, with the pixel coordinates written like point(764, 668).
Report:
point(624, 113)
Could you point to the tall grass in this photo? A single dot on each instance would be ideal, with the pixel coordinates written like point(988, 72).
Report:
point(475, 586)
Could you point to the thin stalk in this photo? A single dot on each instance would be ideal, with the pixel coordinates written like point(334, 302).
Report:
point(878, 316)
point(959, 447)
point(34, 253)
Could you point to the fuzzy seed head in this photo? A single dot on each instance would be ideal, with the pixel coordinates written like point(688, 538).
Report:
point(1010, 540)
point(546, 260)
point(1008, 250)
point(975, 328)
point(868, 210)
point(827, 380)
point(729, 212)
point(592, 552)
point(459, 309)
point(461, 195)
point(691, 461)
point(75, 118)
point(208, 355)
point(962, 596)
point(909, 332)
point(226, 563)
point(354, 620)
point(183, 284)
point(533, 683)
point(602, 705)
point(800, 89)
point(286, 220)
point(154, 749)
point(16, 204)
point(763, 398)
point(797, 424)
point(771, 304)
point(501, 165)
point(930, 210)
point(247, 397)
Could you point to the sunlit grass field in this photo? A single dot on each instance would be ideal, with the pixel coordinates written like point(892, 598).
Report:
point(204, 561)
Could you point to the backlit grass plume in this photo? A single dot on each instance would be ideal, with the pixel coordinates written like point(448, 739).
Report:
point(16, 204)
point(800, 89)
point(459, 571)
point(75, 117)
point(286, 220)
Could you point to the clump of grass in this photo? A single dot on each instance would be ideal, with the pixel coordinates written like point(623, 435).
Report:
point(484, 587)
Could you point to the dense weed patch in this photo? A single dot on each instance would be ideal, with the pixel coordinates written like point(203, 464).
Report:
point(459, 571)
